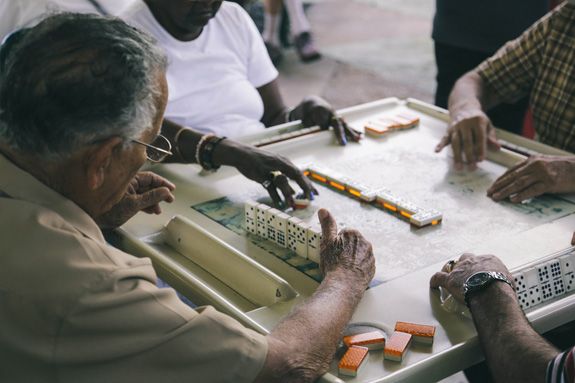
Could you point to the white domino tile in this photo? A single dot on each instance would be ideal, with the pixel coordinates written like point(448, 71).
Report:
point(313, 243)
point(292, 233)
point(261, 225)
point(281, 224)
point(250, 209)
point(271, 217)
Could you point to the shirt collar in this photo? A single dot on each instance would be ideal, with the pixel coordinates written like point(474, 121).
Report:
point(21, 185)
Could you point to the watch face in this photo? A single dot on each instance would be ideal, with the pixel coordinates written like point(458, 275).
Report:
point(478, 279)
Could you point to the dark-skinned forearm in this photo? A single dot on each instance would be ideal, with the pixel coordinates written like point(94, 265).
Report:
point(302, 346)
point(513, 349)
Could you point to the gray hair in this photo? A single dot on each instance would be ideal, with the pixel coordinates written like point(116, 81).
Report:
point(75, 79)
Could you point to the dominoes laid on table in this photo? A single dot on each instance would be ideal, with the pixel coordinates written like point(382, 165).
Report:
point(373, 340)
point(352, 360)
point(380, 126)
point(396, 346)
point(382, 197)
point(420, 333)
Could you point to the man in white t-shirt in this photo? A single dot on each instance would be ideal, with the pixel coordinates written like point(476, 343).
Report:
point(220, 77)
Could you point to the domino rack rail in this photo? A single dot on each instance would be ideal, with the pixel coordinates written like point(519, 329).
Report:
point(403, 296)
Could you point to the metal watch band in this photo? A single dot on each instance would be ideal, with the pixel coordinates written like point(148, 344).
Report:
point(494, 276)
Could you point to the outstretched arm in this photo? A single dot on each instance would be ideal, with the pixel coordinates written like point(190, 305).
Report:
point(301, 347)
point(514, 351)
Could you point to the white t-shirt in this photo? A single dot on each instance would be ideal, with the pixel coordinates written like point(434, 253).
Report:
point(212, 80)
point(17, 14)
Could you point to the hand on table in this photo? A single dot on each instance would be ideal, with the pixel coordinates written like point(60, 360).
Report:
point(258, 165)
point(466, 266)
point(314, 110)
point(469, 134)
point(347, 252)
point(145, 192)
point(535, 176)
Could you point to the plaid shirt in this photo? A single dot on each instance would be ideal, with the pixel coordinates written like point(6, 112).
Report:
point(541, 62)
point(562, 368)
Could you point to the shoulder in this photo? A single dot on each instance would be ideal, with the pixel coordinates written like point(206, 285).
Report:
point(234, 16)
point(41, 247)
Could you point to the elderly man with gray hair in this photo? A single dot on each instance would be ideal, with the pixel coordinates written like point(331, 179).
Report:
point(81, 105)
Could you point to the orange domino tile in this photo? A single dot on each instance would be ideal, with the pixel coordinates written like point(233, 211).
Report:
point(352, 360)
point(373, 340)
point(421, 333)
point(396, 346)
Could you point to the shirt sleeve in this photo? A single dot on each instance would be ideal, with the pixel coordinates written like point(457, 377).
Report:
point(260, 69)
point(138, 332)
point(511, 72)
point(562, 368)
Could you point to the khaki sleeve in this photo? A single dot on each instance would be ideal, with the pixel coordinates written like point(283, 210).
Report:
point(511, 72)
point(128, 330)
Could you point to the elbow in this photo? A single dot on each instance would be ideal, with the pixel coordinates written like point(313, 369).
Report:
point(288, 364)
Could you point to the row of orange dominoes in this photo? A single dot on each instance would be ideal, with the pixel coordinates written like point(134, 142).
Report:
point(383, 125)
point(394, 349)
point(383, 198)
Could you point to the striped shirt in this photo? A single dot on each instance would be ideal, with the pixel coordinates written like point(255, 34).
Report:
point(562, 368)
point(540, 63)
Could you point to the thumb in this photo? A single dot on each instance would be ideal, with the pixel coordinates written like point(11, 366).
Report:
point(328, 225)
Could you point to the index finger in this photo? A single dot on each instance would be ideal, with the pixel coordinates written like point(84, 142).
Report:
point(297, 175)
point(150, 180)
point(339, 131)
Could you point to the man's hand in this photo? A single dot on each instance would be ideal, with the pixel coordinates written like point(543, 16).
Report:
point(535, 176)
point(145, 192)
point(258, 165)
point(466, 266)
point(346, 252)
point(314, 110)
point(469, 133)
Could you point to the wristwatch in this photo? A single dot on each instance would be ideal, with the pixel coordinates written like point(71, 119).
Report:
point(480, 281)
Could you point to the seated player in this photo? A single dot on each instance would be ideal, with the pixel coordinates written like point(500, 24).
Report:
point(538, 64)
point(81, 104)
point(513, 350)
point(220, 77)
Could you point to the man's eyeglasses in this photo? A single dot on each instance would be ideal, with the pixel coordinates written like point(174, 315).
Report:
point(158, 150)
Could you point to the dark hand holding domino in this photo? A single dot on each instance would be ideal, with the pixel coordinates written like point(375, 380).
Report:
point(535, 176)
point(314, 111)
point(466, 266)
point(469, 134)
point(346, 252)
point(257, 164)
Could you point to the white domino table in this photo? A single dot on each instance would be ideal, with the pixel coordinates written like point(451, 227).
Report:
point(261, 282)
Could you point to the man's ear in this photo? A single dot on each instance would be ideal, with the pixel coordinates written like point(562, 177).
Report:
point(98, 160)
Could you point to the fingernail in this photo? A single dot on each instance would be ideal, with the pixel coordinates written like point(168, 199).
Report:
point(322, 214)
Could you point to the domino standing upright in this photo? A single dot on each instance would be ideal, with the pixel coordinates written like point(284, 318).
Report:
point(313, 243)
point(250, 216)
point(261, 222)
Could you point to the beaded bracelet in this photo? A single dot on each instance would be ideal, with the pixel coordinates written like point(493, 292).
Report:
point(207, 151)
